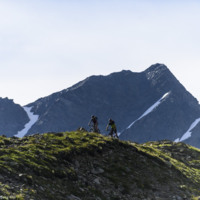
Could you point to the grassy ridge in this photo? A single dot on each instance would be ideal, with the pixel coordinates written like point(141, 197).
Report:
point(84, 165)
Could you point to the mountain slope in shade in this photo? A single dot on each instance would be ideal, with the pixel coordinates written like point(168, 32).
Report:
point(172, 118)
point(12, 117)
point(108, 96)
point(157, 103)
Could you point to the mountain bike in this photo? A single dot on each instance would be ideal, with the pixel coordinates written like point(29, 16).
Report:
point(92, 129)
point(112, 133)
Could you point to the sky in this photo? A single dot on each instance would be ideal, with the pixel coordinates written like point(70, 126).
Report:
point(49, 45)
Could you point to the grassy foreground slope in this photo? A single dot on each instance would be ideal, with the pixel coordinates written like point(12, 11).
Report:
point(88, 166)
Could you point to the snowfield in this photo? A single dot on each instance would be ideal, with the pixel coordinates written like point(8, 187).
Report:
point(189, 131)
point(150, 109)
point(33, 118)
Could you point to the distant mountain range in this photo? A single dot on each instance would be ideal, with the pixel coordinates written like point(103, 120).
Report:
point(150, 105)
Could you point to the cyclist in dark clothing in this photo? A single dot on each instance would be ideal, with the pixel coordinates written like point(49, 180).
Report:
point(94, 122)
point(113, 129)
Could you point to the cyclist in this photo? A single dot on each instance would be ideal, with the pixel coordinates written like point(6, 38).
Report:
point(113, 129)
point(94, 122)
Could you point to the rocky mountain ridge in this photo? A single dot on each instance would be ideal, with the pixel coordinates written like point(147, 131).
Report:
point(146, 106)
point(81, 165)
point(123, 96)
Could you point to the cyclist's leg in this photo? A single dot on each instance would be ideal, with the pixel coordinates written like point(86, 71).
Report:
point(96, 128)
point(116, 133)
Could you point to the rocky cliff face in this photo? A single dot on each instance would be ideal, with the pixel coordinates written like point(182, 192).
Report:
point(80, 165)
point(124, 96)
point(12, 117)
point(173, 117)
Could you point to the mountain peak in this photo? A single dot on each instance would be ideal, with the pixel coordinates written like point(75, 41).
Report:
point(157, 70)
point(157, 67)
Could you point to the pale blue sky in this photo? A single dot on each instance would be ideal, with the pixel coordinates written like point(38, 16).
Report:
point(49, 45)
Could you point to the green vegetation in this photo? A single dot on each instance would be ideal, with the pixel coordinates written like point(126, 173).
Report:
point(89, 165)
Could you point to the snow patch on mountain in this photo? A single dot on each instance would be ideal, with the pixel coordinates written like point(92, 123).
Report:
point(189, 131)
point(150, 109)
point(33, 118)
